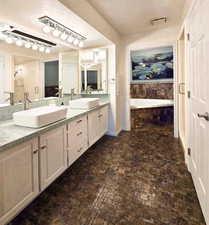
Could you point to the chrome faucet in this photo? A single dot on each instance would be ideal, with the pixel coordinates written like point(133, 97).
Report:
point(26, 101)
point(59, 93)
point(72, 93)
point(11, 97)
point(89, 89)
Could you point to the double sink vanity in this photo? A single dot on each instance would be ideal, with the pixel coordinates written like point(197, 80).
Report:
point(38, 145)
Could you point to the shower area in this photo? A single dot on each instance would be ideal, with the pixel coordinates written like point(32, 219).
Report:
point(151, 87)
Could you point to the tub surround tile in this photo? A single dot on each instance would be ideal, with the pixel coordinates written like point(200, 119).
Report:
point(152, 90)
point(137, 178)
point(157, 116)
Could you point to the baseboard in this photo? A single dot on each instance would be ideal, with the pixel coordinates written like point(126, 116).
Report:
point(114, 134)
point(183, 145)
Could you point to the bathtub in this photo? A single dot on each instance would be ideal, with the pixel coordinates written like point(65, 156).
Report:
point(137, 103)
point(151, 111)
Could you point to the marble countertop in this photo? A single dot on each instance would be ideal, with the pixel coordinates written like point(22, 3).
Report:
point(11, 135)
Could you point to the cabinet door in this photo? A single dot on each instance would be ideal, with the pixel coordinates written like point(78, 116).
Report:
point(77, 138)
point(103, 120)
point(53, 155)
point(18, 178)
point(93, 126)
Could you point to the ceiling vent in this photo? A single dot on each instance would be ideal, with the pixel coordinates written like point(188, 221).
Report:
point(159, 20)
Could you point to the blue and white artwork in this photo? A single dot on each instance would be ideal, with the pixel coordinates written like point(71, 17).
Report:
point(152, 64)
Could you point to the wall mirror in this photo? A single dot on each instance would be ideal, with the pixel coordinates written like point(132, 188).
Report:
point(93, 71)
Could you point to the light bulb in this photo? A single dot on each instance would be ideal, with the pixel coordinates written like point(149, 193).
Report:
point(2, 36)
point(9, 40)
point(19, 42)
point(35, 47)
point(70, 39)
point(48, 50)
point(63, 36)
point(27, 44)
point(41, 49)
point(56, 33)
point(46, 29)
point(75, 42)
point(81, 44)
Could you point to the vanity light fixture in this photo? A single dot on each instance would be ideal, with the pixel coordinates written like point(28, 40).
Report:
point(63, 36)
point(19, 42)
point(70, 39)
point(57, 28)
point(56, 32)
point(46, 29)
point(41, 49)
point(28, 41)
point(9, 40)
point(27, 44)
point(35, 46)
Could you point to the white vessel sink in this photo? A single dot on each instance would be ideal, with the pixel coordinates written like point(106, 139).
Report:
point(84, 103)
point(39, 117)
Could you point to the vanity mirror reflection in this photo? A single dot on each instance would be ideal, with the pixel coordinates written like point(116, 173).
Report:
point(51, 75)
point(94, 66)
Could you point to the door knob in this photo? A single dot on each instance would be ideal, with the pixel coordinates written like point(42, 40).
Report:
point(205, 116)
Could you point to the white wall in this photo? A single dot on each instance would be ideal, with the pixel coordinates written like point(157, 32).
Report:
point(30, 74)
point(149, 39)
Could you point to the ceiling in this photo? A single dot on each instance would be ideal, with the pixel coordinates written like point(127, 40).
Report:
point(129, 17)
point(24, 15)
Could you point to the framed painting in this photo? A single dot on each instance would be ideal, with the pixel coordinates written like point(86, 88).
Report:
point(152, 65)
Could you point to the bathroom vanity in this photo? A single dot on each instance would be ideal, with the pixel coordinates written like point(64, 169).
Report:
point(31, 159)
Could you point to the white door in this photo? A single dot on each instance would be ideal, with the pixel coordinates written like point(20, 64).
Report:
point(53, 155)
point(199, 102)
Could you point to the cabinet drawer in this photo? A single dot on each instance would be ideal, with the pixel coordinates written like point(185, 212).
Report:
point(78, 125)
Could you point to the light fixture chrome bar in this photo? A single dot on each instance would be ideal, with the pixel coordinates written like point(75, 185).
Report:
point(23, 38)
point(153, 21)
point(62, 28)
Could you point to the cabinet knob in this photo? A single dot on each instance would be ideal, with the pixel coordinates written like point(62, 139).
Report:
point(43, 147)
point(80, 149)
point(35, 152)
point(79, 121)
point(79, 133)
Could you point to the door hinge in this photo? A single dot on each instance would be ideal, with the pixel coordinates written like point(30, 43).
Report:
point(188, 36)
point(189, 151)
point(189, 94)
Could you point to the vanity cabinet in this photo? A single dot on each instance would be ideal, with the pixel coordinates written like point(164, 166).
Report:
point(77, 135)
point(19, 183)
point(97, 124)
point(53, 155)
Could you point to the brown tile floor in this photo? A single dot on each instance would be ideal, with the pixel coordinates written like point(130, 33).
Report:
point(138, 178)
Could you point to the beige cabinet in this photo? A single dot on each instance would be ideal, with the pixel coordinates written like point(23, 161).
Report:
point(77, 138)
point(97, 124)
point(53, 155)
point(18, 178)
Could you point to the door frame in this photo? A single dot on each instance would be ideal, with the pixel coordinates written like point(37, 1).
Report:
point(175, 79)
point(42, 72)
